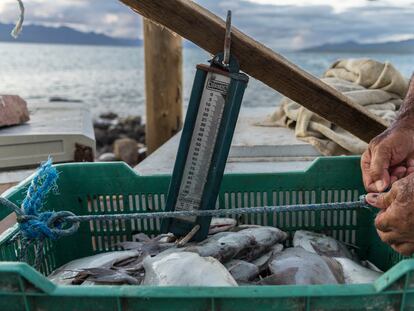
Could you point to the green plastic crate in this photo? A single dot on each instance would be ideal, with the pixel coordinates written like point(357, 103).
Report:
point(113, 187)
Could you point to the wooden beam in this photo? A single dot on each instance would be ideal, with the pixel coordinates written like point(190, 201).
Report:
point(163, 84)
point(205, 29)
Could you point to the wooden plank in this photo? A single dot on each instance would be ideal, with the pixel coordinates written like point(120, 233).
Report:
point(205, 29)
point(163, 84)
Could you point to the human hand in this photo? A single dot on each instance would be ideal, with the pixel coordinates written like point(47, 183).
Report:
point(389, 157)
point(395, 221)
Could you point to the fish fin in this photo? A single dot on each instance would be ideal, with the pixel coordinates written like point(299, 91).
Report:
point(336, 269)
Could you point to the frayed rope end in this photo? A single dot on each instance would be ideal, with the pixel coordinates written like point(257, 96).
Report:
point(19, 25)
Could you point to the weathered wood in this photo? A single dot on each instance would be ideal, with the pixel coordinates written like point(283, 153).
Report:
point(163, 84)
point(207, 31)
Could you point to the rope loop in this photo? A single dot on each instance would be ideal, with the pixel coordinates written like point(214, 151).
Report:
point(61, 225)
point(52, 225)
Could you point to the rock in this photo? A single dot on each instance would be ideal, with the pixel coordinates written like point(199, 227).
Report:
point(13, 110)
point(104, 149)
point(101, 137)
point(130, 123)
point(108, 115)
point(64, 100)
point(114, 132)
point(103, 123)
point(107, 157)
point(142, 152)
point(125, 149)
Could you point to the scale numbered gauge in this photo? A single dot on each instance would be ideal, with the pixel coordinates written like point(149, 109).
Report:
point(205, 143)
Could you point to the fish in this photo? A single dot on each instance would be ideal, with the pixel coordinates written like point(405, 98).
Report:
point(368, 264)
point(243, 227)
point(297, 266)
point(66, 273)
point(242, 271)
point(140, 237)
point(221, 225)
point(151, 247)
point(227, 245)
point(353, 272)
point(262, 263)
point(185, 269)
point(320, 244)
point(100, 276)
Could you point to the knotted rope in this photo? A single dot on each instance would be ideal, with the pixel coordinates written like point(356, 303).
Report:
point(36, 225)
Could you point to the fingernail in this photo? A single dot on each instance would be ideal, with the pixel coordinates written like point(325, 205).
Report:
point(380, 185)
point(371, 198)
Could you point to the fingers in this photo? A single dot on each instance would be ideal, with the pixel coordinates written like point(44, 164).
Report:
point(406, 249)
point(366, 172)
point(397, 173)
point(366, 176)
point(380, 163)
point(386, 221)
point(390, 237)
point(381, 200)
point(410, 165)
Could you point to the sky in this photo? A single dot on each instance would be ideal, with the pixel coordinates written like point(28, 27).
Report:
point(281, 24)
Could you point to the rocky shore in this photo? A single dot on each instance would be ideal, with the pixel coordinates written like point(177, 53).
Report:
point(120, 139)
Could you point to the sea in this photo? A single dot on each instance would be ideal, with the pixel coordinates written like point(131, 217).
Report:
point(107, 78)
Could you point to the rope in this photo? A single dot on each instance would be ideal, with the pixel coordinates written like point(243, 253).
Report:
point(19, 25)
point(34, 226)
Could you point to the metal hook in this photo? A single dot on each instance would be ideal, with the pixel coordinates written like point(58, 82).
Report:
point(227, 40)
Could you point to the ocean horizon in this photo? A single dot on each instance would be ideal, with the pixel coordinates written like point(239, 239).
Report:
point(107, 78)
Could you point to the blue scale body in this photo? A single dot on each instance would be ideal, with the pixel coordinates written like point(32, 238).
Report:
point(232, 103)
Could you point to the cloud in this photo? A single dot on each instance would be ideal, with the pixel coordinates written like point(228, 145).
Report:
point(103, 16)
point(280, 24)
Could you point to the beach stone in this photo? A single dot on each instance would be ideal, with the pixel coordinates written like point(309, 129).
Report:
point(107, 157)
point(103, 123)
point(142, 152)
point(108, 115)
point(125, 149)
point(101, 137)
point(13, 110)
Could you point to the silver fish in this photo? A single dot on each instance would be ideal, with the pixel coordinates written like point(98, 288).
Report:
point(226, 245)
point(221, 225)
point(320, 244)
point(66, 273)
point(243, 227)
point(368, 264)
point(354, 273)
point(100, 276)
point(185, 269)
point(298, 266)
point(262, 263)
point(241, 270)
point(151, 247)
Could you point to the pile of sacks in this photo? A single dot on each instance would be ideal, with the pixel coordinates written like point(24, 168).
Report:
point(379, 87)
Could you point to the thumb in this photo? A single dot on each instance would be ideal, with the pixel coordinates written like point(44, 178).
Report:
point(381, 200)
point(380, 163)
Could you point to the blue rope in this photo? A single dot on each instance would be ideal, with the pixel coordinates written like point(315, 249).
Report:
point(35, 224)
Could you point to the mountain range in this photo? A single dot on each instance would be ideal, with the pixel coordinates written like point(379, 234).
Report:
point(62, 35)
point(406, 46)
point(67, 35)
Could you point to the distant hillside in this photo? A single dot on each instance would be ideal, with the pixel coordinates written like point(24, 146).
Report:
point(406, 46)
point(61, 35)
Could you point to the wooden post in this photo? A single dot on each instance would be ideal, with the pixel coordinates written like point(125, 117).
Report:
point(163, 84)
point(205, 29)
